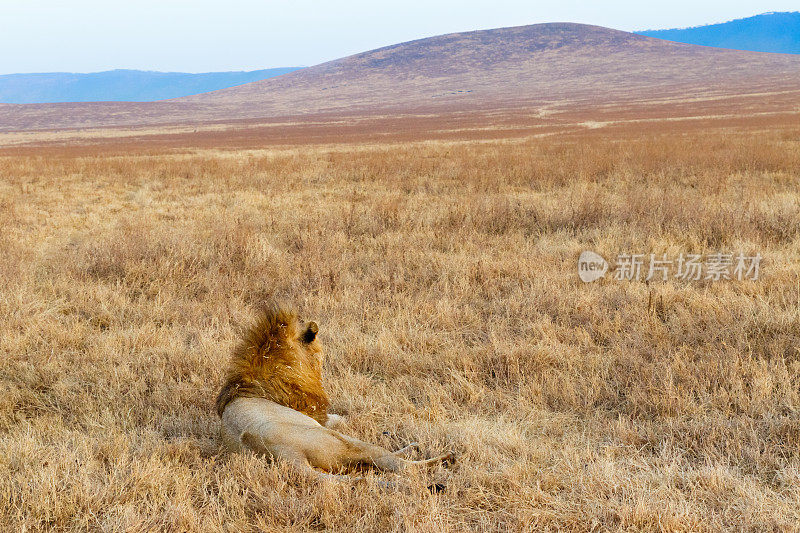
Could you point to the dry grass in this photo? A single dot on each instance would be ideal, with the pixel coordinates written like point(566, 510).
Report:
point(444, 280)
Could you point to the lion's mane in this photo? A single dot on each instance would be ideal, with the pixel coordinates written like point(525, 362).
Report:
point(277, 361)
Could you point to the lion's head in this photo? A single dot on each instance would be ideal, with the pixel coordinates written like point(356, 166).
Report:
point(280, 359)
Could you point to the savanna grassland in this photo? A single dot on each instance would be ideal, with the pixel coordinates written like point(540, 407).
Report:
point(443, 276)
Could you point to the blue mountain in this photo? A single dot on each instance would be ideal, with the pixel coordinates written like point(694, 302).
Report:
point(120, 85)
point(768, 32)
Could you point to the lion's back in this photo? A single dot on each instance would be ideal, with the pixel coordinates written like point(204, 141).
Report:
point(246, 421)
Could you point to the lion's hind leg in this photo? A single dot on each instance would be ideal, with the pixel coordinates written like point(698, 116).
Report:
point(394, 462)
point(360, 452)
point(300, 464)
point(293, 457)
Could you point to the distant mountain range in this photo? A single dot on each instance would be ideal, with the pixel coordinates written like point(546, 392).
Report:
point(525, 68)
point(768, 32)
point(121, 85)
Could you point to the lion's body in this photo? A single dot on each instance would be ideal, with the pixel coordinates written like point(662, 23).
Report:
point(273, 403)
point(285, 434)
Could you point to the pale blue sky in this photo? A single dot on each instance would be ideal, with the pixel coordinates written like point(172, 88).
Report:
point(204, 35)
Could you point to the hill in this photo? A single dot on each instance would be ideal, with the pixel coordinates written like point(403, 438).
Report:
point(530, 67)
point(768, 32)
point(508, 66)
point(120, 85)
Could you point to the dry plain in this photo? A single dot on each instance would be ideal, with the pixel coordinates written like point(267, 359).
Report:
point(442, 271)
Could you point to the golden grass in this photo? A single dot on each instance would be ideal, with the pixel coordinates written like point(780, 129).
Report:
point(443, 276)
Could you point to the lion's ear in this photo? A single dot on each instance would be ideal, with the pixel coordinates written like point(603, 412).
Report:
point(310, 333)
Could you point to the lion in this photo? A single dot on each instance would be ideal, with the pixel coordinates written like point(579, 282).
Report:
point(273, 403)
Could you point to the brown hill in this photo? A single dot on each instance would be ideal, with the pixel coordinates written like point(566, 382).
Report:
point(543, 62)
point(538, 65)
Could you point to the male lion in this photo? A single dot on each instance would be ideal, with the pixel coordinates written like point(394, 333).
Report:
point(273, 403)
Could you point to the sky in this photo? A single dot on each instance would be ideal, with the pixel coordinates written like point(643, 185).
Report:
point(204, 35)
